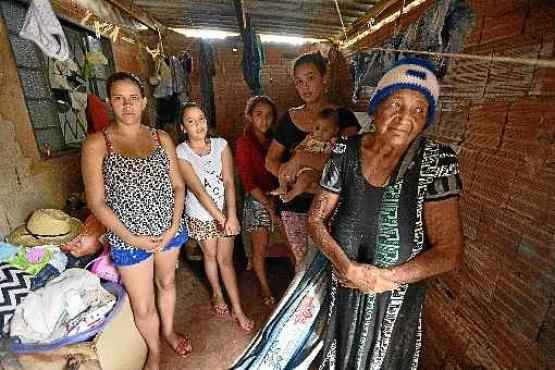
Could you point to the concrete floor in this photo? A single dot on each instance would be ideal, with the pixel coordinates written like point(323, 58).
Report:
point(216, 341)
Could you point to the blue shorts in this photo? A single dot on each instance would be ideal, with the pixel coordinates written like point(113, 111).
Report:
point(128, 257)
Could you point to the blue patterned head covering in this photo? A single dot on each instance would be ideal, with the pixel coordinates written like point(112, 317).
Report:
point(408, 73)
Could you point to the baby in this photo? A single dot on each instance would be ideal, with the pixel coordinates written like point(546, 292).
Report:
point(321, 143)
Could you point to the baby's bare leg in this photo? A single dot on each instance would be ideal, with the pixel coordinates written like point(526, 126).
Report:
point(305, 180)
point(281, 190)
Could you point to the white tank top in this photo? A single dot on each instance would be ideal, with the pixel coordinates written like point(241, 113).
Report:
point(208, 168)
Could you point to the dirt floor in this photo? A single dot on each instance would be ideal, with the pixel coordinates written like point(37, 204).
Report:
point(217, 342)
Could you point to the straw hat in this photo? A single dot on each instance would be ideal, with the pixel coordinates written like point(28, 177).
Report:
point(46, 226)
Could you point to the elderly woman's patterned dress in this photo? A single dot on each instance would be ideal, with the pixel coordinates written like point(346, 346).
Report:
point(319, 324)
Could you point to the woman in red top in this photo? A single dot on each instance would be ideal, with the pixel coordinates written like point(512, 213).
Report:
point(258, 208)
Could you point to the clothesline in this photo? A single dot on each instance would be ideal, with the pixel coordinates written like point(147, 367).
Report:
point(548, 63)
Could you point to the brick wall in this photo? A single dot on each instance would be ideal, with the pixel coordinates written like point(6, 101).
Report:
point(497, 311)
point(230, 89)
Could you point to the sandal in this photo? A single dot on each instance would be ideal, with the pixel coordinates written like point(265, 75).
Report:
point(269, 301)
point(221, 308)
point(184, 347)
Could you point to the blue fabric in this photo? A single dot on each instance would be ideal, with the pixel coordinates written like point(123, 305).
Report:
point(253, 58)
point(291, 337)
point(48, 273)
point(132, 256)
point(443, 28)
point(7, 251)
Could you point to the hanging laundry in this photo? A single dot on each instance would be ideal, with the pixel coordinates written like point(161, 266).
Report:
point(42, 27)
point(167, 110)
point(97, 114)
point(207, 71)
point(93, 59)
point(186, 62)
point(75, 129)
point(178, 74)
point(253, 58)
point(59, 73)
point(165, 87)
point(441, 29)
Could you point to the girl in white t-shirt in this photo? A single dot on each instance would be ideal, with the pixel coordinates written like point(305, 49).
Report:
point(206, 164)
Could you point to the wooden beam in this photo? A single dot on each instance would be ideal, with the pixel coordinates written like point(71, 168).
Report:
point(376, 12)
point(241, 15)
point(138, 14)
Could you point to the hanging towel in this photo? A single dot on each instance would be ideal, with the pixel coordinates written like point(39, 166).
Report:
point(43, 28)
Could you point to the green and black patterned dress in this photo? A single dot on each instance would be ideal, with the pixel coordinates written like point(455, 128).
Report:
point(381, 226)
point(319, 324)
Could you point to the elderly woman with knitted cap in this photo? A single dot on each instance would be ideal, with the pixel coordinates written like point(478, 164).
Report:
point(397, 223)
point(393, 194)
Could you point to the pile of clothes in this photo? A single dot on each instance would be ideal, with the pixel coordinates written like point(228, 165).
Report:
point(48, 293)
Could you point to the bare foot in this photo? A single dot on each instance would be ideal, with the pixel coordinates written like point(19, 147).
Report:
point(152, 363)
point(244, 322)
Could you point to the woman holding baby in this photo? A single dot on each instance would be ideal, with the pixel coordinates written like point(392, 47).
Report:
point(309, 74)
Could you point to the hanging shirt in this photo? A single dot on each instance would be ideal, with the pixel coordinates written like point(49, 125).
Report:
point(208, 168)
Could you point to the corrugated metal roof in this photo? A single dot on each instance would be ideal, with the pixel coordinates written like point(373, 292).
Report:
point(307, 18)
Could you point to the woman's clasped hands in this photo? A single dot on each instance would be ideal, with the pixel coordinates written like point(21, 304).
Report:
point(366, 278)
point(152, 244)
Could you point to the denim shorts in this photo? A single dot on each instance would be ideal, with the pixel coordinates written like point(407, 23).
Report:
point(132, 256)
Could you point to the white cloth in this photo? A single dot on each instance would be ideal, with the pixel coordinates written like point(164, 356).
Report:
point(208, 168)
point(43, 315)
point(43, 28)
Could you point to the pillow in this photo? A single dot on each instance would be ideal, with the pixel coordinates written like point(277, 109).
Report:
point(14, 286)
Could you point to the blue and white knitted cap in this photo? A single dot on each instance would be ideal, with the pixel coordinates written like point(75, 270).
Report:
point(408, 73)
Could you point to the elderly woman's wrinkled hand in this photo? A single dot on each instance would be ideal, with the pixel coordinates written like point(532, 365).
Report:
point(366, 278)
